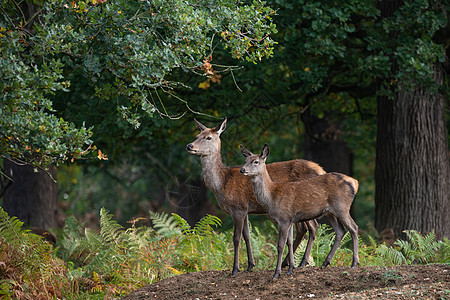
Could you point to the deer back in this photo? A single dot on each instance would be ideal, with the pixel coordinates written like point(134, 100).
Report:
point(238, 189)
point(311, 198)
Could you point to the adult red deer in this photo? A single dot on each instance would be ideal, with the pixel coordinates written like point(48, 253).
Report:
point(234, 192)
point(290, 202)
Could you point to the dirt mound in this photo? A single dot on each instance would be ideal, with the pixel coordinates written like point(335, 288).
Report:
point(400, 282)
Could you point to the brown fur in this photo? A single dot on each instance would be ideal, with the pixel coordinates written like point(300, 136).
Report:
point(234, 192)
point(289, 202)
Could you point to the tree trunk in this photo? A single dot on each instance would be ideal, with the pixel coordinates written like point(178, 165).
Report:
point(412, 163)
point(32, 197)
point(412, 160)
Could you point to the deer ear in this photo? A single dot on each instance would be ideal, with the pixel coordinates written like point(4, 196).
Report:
point(200, 126)
point(265, 152)
point(221, 128)
point(245, 152)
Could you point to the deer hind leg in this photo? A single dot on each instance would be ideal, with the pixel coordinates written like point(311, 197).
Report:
point(246, 235)
point(300, 232)
point(238, 220)
point(312, 229)
point(340, 231)
point(350, 224)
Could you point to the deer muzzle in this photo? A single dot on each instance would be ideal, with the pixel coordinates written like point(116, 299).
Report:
point(243, 171)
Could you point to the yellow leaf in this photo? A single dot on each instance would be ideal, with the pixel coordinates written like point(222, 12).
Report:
point(204, 85)
point(175, 271)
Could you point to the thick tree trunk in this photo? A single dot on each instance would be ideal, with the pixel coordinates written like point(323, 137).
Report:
point(32, 197)
point(412, 163)
point(412, 160)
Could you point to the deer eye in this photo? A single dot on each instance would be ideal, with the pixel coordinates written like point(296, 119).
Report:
point(256, 162)
point(208, 138)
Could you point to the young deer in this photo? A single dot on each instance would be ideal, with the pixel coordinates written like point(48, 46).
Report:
point(330, 194)
point(234, 192)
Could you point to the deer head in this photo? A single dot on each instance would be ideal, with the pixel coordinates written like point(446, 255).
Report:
point(208, 140)
point(254, 163)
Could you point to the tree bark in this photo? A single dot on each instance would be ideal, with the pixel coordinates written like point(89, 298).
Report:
point(32, 197)
point(412, 163)
point(412, 160)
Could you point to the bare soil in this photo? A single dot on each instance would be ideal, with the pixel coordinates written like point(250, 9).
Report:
point(399, 282)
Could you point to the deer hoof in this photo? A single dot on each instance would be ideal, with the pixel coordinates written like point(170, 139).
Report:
point(250, 267)
point(325, 264)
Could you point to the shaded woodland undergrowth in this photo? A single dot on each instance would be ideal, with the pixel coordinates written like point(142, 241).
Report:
point(113, 261)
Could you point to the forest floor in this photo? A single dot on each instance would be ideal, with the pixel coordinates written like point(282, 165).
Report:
point(398, 282)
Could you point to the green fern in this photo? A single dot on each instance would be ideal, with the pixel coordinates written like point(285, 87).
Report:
point(391, 256)
point(181, 223)
point(71, 238)
point(322, 245)
point(299, 253)
point(204, 226)
point(10, 228)
point(110, 230)
point(200, 248)
point(418, 249)
point(165, 224)
point(34, 267)
point(444, 251)
point(264, 251)
point(138, 238)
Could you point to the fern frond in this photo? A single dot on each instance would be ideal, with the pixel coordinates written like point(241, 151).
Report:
point(138, 238)
point(430, 242)
point(181, 223)
point(346, 238)
point(373, 242)
point(165, 224)
point(204, 226)
point(72, 230)
point(390, 254)
point(110, 230)
point(444, 251)
point(10, 227)
point(72, 236)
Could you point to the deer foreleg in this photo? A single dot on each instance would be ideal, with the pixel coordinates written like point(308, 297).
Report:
point(238, 220)
point(246, 234)
point(283, 231)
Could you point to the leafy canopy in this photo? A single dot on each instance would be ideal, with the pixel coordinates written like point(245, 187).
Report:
point(125, 49)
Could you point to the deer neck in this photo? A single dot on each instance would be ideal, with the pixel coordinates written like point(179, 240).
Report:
point(213, 171)
point(262, 184)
